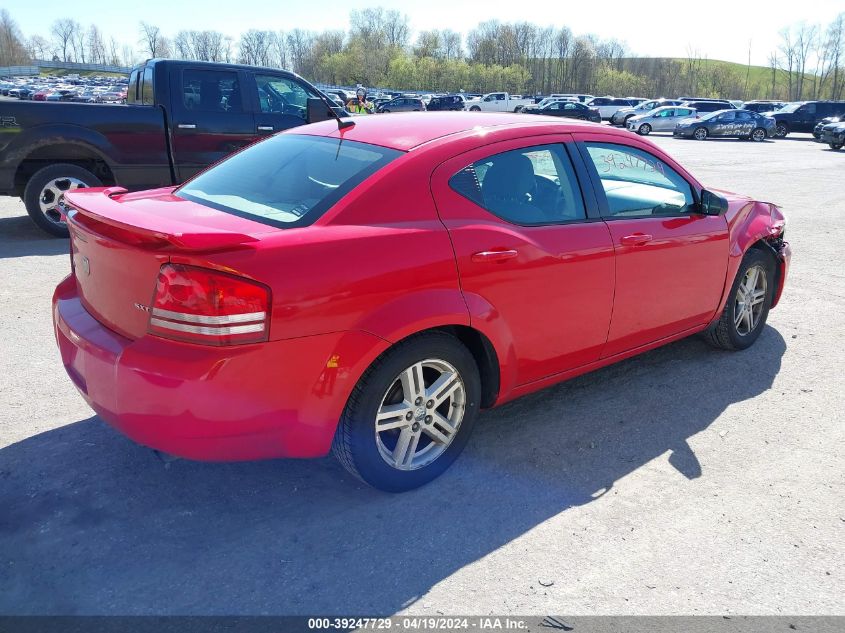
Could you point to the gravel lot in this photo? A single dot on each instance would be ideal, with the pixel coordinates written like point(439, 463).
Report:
point(684, 481)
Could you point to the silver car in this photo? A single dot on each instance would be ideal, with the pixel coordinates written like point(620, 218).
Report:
point(621, 116)
point(662, 119)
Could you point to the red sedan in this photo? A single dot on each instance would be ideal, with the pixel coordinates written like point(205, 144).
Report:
point(368, 289)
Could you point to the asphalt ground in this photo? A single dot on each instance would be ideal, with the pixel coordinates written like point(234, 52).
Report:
point(684, 481)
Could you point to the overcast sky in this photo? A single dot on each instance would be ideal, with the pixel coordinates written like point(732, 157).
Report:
point(653, 28)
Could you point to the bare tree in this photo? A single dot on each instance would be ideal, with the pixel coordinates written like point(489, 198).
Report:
point(154, 43)
point(12, 50)
point(804, 42)
point(38, 47)
point(62, 31)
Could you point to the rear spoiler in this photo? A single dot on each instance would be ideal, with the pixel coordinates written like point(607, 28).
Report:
point(97, 210)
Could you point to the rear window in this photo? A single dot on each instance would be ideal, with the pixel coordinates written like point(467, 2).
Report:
point(288, 180)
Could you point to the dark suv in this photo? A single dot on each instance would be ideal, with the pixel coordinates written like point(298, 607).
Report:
point(804, 115)
point(448, 102)
point(763, 106)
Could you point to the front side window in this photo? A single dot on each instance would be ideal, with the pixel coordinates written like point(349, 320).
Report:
point(286, 180)
point(281, 95)
point(530, 186)
point(211, 91)
point(637, 183)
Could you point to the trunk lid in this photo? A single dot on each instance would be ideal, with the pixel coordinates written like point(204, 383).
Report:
point(120, 241)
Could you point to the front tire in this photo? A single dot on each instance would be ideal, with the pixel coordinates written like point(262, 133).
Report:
point(781, 130)
point(700, 134)
point(45, 191)
point(644, 129)
point(758, 135)
point(411, 413)
point(748, 303)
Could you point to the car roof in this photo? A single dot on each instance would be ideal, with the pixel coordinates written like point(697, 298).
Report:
point(405, 131)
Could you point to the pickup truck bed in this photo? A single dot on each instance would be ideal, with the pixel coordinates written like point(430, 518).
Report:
point(180, 117)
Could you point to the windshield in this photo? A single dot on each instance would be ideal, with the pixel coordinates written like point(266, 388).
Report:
point(791, 107)
point(287, 180)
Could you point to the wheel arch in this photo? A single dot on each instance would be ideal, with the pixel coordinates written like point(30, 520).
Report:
point(57, 150)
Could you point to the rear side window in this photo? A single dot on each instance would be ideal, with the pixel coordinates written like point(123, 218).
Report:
point(147, 93)
point(287, 180)
point(637, 183)
point(530, 186)
point(132, 88)
point(211, 91)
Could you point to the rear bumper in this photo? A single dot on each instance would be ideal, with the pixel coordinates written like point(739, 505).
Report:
point(274, 399)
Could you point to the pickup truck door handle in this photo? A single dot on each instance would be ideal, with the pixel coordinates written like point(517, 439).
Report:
point(265, 128)
point(187, 126)
point(494, 256)
point(637, 239)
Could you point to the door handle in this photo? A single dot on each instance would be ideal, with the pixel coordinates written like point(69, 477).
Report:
point(265, 128)
point(187, 126)
point(637, 239)
point(494, 256)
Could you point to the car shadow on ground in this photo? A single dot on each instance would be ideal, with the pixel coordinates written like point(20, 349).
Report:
point(94, 524)
point(20, 237)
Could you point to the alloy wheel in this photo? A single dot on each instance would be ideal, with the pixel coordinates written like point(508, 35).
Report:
point(52, 197)
point(758, 135)
point(420, 414)
point(750, 296)
point(700, 134)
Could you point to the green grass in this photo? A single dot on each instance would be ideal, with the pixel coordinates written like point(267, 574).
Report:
point(62, 72)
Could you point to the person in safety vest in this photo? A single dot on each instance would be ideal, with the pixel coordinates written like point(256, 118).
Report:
point(360, 105)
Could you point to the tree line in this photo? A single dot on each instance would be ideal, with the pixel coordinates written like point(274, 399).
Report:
point(378, 50)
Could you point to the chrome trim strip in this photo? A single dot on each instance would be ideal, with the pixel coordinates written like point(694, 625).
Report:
point(209, 320)
point(208, 331)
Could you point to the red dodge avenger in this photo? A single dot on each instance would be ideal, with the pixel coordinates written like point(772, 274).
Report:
point(367, 288)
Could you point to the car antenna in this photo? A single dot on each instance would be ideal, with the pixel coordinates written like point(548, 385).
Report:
point(341, 124)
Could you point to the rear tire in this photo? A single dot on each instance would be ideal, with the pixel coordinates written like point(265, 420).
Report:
point(45, 190)
point(835, 146)
point(389, 392)
point(758, 135)
point(475, 109)
point(733, 331)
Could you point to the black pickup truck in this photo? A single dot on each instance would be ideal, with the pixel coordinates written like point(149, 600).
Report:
point(179, 117)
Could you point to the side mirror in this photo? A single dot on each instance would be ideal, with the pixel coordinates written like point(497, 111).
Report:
point(713, 204)
point(317, 110)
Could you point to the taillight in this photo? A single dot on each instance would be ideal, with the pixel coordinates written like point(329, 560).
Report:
point(206, 306)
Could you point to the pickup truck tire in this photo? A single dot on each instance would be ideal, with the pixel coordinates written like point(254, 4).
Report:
point(44, 190)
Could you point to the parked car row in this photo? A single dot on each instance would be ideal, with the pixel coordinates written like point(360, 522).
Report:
point(65, 89)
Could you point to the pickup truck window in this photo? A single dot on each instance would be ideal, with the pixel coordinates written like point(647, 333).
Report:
point(147, 93)
point(281, 95)
point(132, 88)
point(211, 91)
